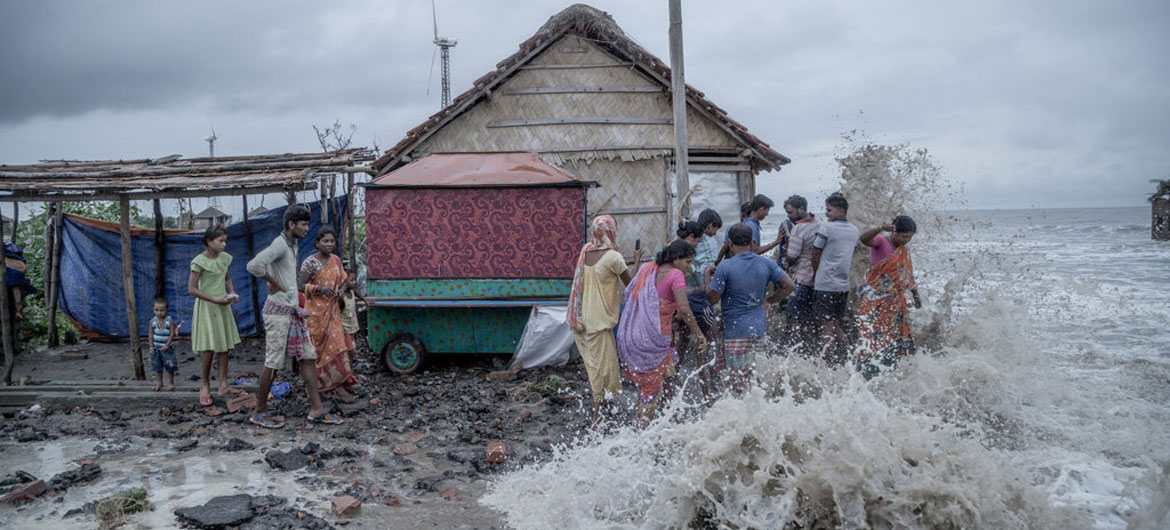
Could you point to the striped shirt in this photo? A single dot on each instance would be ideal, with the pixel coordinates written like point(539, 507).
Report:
point(160, 335)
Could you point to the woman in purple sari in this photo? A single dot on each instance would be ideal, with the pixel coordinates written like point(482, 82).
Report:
point(644, 334)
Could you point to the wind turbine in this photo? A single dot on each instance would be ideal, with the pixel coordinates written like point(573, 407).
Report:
point(444, 47)
point(211, 139)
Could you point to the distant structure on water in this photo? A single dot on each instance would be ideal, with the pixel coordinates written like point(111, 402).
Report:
point(1160, 211)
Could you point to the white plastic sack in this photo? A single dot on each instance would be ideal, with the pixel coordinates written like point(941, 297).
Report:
point(546, 340)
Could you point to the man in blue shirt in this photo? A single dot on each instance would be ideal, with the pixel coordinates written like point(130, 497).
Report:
point(740, 285)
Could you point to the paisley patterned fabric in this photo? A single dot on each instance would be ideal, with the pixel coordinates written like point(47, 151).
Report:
point(474, 233)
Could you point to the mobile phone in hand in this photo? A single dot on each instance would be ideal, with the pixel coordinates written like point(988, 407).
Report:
point(637, 244)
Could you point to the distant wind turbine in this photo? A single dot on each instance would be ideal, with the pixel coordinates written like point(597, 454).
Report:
point(211, 139)
point(444, 47)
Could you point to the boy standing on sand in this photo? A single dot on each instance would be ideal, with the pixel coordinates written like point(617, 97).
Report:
point(831, 258)
point(285, 333)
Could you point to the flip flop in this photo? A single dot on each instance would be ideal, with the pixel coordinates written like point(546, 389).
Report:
point(205, 397)
point(267, 421)
point(326, 418)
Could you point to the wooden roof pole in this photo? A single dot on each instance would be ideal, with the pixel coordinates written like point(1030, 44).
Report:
point(252, 279)
point(678, 90)
point(54, 272)
point(128, 285)
point(350, 243)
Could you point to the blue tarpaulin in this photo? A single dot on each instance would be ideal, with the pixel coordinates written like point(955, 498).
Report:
point(91, 291)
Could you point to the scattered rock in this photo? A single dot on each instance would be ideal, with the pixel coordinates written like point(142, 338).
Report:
point(352, 409)
point(311, 448)
point(213, 411)
point(404, 448)
point(65, 480)
point(465, 456)
point(236, 444)
point(219, 512)
point(26, 492)
point(288, 461)
point(346, 506)
point(244, 402)
point(394, 500)
point(497, 452)
point(428, 483)
point(186, 445)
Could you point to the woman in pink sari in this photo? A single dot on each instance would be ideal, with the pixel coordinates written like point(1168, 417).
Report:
point(644, 334)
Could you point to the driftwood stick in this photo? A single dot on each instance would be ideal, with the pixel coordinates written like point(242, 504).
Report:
point(350, 242)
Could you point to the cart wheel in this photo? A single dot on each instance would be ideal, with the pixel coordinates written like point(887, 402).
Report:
point(403, 353)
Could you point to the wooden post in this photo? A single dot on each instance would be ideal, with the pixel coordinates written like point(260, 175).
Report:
point(251, 278)
point(350, 242)
point(324, 203)
point(6, 330)
point(291, 196)
point(55, 272)
point(15, 220)
point(128, 286)
point(48, 245)
point(678, 90)
point(160, 276)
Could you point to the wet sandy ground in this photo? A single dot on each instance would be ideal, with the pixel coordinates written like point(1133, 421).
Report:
point(412, 449)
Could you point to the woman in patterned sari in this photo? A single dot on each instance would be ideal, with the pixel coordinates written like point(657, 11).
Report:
point(645, 337)
point(885, 335)
point(322, 279)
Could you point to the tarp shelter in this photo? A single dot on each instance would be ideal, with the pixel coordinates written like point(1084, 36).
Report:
point(91, 259)
point(460, 246)
point(588, 98)
point(171, 177)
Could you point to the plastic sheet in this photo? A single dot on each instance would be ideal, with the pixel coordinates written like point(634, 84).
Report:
point(546, 340)
point(91, 291)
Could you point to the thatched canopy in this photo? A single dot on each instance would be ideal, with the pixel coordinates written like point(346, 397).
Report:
point(173, 176)
point(599, 30)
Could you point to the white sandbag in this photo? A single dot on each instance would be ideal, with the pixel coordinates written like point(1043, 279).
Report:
point(546, 340)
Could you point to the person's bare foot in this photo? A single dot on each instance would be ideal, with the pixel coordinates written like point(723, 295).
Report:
point(158, 386)
point(344, 395)
point(171, 387)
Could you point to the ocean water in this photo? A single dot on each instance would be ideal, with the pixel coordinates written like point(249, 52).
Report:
point(1041, 399)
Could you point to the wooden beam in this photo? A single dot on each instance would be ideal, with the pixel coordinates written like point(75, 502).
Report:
point(38, 196)
point(678, 93)
point(643, 147)
point(55, 272)
point(579, 121)
point(160, 277)
point(252, 279)
point(15, 220)
point(583, 90)
point(574, 66)
point(324, 202)
point(632, 211)
point(128, 288)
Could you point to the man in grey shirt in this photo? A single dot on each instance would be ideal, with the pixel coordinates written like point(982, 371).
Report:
point(285, 333)
point(831, 258)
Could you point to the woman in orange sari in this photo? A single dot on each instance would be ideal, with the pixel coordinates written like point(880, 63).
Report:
point(885, 334)
point(322, 279)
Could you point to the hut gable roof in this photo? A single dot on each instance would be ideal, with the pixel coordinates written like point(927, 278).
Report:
point(599, 28)
point(210, 212)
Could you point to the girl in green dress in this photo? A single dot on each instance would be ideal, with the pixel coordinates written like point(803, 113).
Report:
point(213, 327)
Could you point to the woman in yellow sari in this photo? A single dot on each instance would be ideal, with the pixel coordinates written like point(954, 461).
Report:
point(322, 278)
point(885, 330)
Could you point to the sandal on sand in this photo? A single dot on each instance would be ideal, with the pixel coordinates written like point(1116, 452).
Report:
point(326, 418)
point(267, 421)
point(205, 397)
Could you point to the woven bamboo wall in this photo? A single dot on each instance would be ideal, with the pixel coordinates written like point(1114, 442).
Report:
point(632, 178)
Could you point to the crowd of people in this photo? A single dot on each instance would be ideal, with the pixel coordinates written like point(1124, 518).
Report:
point(706, 305)
point(309, 316)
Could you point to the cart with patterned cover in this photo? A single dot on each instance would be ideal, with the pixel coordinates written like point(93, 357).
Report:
point(461, 246)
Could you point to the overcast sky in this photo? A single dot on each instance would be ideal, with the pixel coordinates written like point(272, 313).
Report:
point(1044, 103)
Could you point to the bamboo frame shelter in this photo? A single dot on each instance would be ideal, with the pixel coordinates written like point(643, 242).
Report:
point(172, 177)
point(585, 96)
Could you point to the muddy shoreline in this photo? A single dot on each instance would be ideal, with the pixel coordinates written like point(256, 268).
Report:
point(413, 449)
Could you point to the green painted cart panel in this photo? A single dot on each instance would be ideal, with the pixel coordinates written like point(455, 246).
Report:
point(469, 288)
point(450, 329)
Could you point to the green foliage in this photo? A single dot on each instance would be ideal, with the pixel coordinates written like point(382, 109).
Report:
point(31, 238)
point(113, 509)
point(1162, 191)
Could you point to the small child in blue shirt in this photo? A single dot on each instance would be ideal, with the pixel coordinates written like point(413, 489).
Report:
point(162, 336)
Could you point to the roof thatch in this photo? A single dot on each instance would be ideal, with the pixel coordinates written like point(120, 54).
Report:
point(172, 176)
point(211, 212)
point(598, 26)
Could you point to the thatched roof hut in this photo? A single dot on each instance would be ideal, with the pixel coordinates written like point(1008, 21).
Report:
point(588, 98)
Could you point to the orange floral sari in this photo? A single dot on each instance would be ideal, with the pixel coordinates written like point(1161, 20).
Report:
point(885, 327)
point(325, 330)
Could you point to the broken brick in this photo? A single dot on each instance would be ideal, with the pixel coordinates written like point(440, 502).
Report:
point(346, 506)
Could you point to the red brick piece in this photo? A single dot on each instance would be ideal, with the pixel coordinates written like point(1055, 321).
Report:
point(26, 492)
point(497, 452)
point(346, 506)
